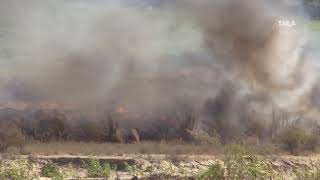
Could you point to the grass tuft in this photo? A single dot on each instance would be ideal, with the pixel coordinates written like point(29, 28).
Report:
point(95, 169)
point(214, 172)
point(52, 171)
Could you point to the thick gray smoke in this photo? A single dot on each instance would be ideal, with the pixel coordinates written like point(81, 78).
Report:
point(83, 52)
point(246, 35)
point(92, 52)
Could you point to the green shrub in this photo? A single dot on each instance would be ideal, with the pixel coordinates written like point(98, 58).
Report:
point(95, 169)
point(215, 172)
point(134, 170)
point(13, 174)
point(51, 170)
point(242, 164)
point(239, 163)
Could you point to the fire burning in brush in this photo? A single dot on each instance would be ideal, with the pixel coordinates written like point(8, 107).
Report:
point(121, 110)
point(185, 58)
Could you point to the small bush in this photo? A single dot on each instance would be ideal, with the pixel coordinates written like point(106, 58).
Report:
point(10, 136)
point(95, 169)
point(215, 172)
point(239, 163)
point(134, 170)
point(52, 171)
point(311, 142)
point(13, 174)
point(295, 139)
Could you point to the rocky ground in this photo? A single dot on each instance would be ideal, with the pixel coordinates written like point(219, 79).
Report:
point(127, 167)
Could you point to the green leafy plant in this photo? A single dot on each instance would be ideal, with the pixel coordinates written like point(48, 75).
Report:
point(95, 169)
point(13, 174)
point(134, 170)
point(51, 170)
point(214, 172)
point(243, 164)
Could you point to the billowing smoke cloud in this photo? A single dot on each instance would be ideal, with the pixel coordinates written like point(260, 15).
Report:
point(143, 55)
point(246, 34)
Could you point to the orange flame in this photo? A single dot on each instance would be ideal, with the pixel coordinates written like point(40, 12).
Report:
point(121, 110)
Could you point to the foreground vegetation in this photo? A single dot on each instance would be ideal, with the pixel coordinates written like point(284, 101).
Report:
point(237, 163)
point(52, 171)
point(96, 169)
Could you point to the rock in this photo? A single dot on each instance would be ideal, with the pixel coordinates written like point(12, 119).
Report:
point(182, 164)
point(189, 165)
point(167, 167)
point(206, 163)
point(195, 164)
point(276, 164)
point(145, 165)
point(121, 176)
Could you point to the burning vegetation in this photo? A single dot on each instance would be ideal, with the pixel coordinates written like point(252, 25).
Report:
point(185, 71)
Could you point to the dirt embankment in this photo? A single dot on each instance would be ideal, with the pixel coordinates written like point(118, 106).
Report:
point(149, 166)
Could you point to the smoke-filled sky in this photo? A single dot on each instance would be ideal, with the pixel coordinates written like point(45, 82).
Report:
point(147, 53)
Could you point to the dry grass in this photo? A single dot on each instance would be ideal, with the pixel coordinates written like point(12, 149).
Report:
point(168, 148)
point(92, 148)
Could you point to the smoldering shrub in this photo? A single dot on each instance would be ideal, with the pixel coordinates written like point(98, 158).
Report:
point(186, 117)
point(235, 116)
point(50, 126)
point(219, 115)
